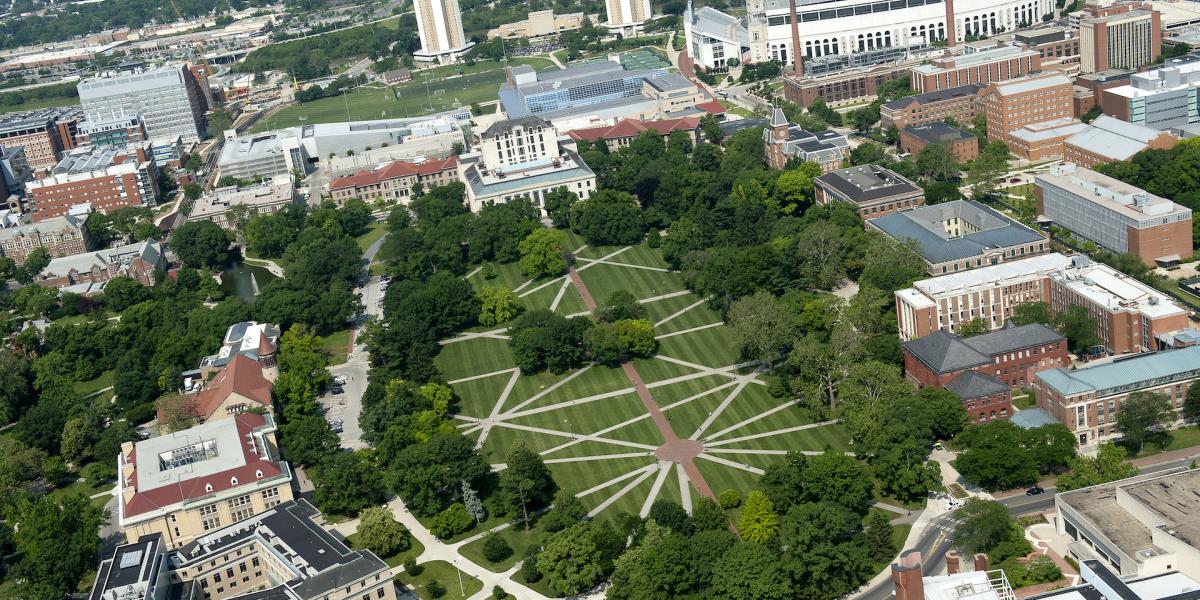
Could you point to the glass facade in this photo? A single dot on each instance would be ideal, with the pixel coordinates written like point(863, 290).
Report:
point(586, 94)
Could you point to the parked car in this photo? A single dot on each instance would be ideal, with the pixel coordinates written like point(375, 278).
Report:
point(1035, 490)
point(337, 389)
point(339, 379)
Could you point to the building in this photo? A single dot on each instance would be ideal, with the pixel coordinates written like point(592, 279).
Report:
point(86, 273)
point(1097, 582)
point(238, 387)
point(43, 133)
point(414, 141)
point(60, 236)
point(283, 553)
point(1122, 35)
point(541, 24)
point(1011, 355)
point(183, 484)
point(120, 132)
point(957, 103)
point(1115, 215)
point(596, 90)
point(165, 98)
point(960, 235)
point(626, 17)
point(258, 341)
point(786, 142)
point(1054, 44)
point(521, 158)
point(1112, 140)
point(997, 64)
point(1158, 98)
point(674, 94)
point(224, 203)
point(14, 170)
point(263, 155)
point(625, 131)
point(855, 29)
point(1087, 399)
point(397, 76)
point(439, 25)
point(395, 181)
point(1045, 140)
point(963, 145)
point(1129, 315)
point(1089, 86)
point(873, 190)
point(1012, 105)
point(107, 178)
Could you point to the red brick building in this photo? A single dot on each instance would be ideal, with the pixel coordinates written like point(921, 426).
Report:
point(106, 178)
point(997, 64)
point(954, 103)
point(871, 189)
point(88, 272)
point(962, 144)
point(1014, 104)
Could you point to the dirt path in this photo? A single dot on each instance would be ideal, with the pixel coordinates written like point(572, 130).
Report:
point(675, 449)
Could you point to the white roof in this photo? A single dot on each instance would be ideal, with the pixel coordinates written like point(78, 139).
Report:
point(991, 275)
point(1020, 86)
point(1035, 132)
point(1115, 291)
point(215, 445)
point(971, 585)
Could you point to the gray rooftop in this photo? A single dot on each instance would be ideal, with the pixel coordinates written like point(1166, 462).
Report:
point(973, 384)
point(51, 225)
point(945, 352)
point(1127, 374)
point(927, 226)
point(1113, 138)
point(938, 132)
point(506, 126)
point(149, 251)
point(670, 81)
point(1032, 418)
point(20, 122)
point(868, 182)
point(1173, 498)
point(971, 89)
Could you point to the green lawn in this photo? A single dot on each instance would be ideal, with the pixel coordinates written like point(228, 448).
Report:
point(87, 387)
point(414, 550)
point(34, 104)
point(432, 90)
point(1176, 439)
point(444, 573)
point(374, 232)
point(517, 539)
point(614, 469)
point(337, 344)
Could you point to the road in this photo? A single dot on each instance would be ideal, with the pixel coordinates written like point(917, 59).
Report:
point(934, 541)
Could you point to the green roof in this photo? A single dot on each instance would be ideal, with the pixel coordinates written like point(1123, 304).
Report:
point(1125, 375)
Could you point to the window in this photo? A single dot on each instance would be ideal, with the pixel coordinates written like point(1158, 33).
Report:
point(209, 517)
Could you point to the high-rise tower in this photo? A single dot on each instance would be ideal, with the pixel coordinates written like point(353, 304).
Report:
point(439, 23)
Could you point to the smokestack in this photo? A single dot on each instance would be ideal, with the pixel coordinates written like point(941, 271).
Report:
point(951, 36)
point(906, 576)
point(952, 562)
point(981, 562)
point(796, 51)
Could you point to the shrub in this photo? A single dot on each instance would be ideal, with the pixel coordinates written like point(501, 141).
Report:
point(653, 239)
point(380, 533)
point(452, 521)
point(498, 593)
point(412, 568)
point(529, 568)
point(730, 499)
point(435, 589)
point(495, 549)
point(98, 471)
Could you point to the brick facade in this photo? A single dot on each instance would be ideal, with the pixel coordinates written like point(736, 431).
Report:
point(963, 149)
point(1013, 105)
point(956, 103)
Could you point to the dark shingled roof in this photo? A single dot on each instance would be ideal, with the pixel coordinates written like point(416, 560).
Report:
point(501, 127)
point(945, 352)
point(1013, 338)
point(973, 384)
point(923, 224)
point(970, 89)
point(868, 182)
point(937, 132)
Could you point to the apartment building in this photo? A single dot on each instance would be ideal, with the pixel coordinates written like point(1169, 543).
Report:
point(873, 190)
point(963, 145)
point(1088, 399)
point(1122, 35)
point(86, 273)
point(984, 67)
point(1109, 140)
point(166, 99)
point(284, 553)
point(395, 181)
point(785, 142)
point(60, 236)
point(440, 29)
point(960, 235)
point(1115, 215)
point(1014, 104)
point(521, 158)
point(44, 133)
point(1130, 316)
point(1158, 98)
point(107, 178)
point(957, 103)
point(626, 17)
point(223, 205)
point(184, 484)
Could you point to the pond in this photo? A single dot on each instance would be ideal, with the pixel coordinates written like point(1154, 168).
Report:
point(245, 280)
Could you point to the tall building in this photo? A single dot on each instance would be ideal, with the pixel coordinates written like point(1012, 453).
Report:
point(106, 178)
point(1012, 105)
point(1124, 35)
point(1159, 98)
point(996, 64)
point(626, 16)
point(166, 98)
point(1115, 215)
point(439, 24)
point(1130, 316)
point(44, 133)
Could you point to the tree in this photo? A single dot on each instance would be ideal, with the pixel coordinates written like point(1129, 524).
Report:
point(636, 337)
point(346, 483)
point(711, 129)
point(578, 557)
point(495, 549)
point(609, 218)
point(1191, 404)
point(672, 516)
point(77, 439)
point(996, 456)
point(794, 188)
point(122, 292)
point(499, 305)
point(750, 572)
point(878, 531)
point(826, 552)
point(543, 253)
point(762, 326)
point(57, 543)
point(981, 525)
point(937, 162)
point(1140, 414)
point(991, 164)
point(620, 305)
point(730, 498)
point(758, 523)
point(558, 205)
point(1032, 312)
point(526, 481)
point(473, 504)
point(451, 522)
point(974, 327)
point(1108, 465)
point(380, 533)
point(707, 515)
point(567, 511)
point(36, 260)
point(1079, 329)
point(201, 244)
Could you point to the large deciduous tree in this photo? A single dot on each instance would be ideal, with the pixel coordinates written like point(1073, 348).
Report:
point(1141, 414)
point(543, 253)
point(201, 244)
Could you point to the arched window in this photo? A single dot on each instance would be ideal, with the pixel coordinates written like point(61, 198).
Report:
point(208, 488)
point(258, 474)
point(233, 481)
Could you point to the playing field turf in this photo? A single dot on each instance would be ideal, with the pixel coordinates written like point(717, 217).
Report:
point(590, 426)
